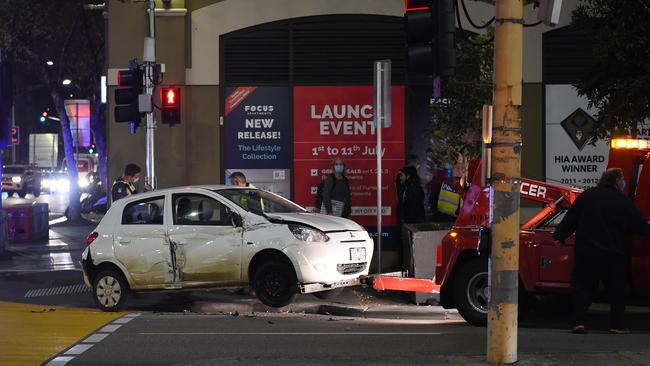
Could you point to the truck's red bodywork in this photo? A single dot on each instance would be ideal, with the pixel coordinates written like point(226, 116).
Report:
point(544, 267)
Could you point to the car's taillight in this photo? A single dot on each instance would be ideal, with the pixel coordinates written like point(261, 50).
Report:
point(439, 255)
point(91, 237)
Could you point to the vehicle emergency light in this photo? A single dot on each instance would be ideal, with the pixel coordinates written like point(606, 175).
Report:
point(637, 144)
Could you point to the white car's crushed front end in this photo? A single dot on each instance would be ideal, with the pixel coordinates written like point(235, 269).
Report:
point(337, 261)
point(346, 255)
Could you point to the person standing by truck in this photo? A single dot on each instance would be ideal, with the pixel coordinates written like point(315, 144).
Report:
point(604, 220)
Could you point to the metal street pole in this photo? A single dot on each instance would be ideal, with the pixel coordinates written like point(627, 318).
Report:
point(382, 116)
point(150, 61)
point(506, 180)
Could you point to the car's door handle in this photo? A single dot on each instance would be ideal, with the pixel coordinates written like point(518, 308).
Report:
point(123, 241)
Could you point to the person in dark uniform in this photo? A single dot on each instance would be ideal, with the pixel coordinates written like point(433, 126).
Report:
point(604, 220)
point(410, 195)
point(126, 184)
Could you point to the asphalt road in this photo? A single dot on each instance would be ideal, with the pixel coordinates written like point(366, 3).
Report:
point(190, 339)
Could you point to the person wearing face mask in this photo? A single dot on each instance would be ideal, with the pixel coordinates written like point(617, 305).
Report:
point(336, 192)
point(126, 184)
point(604, 220)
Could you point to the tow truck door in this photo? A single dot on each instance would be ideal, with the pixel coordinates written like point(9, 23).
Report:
point(555, 263)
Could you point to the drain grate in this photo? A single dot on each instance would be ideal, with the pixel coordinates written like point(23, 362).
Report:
point(61, 290)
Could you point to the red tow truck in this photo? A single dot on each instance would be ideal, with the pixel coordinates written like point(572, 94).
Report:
point(462, 261)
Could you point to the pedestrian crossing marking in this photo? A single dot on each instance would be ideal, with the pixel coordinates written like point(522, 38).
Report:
point(61, 290)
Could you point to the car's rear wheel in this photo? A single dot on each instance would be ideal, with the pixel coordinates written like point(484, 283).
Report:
point(329, 294)
point(275, 284)
point(110, 290)
point(470, 291)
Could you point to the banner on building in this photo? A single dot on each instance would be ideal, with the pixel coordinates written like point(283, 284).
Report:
point(257, 136)
point(336, 121)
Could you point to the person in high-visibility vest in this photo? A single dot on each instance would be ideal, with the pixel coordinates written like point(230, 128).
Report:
point(239, 179)
point(448, 200)
point(126, 184)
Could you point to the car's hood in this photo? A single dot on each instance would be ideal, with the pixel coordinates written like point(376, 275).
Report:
point(325, 223)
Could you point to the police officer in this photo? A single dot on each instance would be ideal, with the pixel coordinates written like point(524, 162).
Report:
point(126, 184)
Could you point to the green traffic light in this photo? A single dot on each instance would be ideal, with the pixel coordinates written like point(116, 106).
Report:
point(42, 119)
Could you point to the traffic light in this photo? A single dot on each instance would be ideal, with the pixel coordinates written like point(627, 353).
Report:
point(129, 86)
point(43, 117)
point(170, 98)
point(430, 26)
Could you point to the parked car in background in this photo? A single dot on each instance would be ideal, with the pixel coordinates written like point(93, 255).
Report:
point(21, 179)
point(221, 236)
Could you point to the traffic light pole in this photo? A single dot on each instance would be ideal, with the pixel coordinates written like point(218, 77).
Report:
point(505, 183)
point(149, 86)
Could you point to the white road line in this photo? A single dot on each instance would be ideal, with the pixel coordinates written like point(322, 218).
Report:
point(109, 328)
point(91, 340)
point(78, 349)
point(295, 333)
point(97, 337)
point(60, 361)
point(123, 320)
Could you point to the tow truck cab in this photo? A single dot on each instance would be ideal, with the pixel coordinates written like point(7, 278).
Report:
point(462, 268)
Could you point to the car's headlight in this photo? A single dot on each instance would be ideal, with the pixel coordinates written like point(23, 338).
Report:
point(63, 185)
point(45, 183)
point(16, 179)
point(308, 234)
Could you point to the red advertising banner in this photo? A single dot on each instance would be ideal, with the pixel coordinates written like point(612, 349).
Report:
point(331, 121)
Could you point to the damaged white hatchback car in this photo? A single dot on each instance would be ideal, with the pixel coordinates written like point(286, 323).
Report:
point(221, 236)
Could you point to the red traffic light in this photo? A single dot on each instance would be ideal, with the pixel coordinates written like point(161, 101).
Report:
point(44, 114)
point(169, 97)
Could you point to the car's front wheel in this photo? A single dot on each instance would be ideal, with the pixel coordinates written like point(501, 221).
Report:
point(110, 290)
point(275, 284)
point(470, 291)
point(22, 193)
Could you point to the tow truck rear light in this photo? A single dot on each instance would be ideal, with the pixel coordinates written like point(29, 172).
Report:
point(637, 144)
point(439, 256)
point(91, 237)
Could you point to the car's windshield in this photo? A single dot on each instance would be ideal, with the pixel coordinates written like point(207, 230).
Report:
point(13, 170)
point(259, 202)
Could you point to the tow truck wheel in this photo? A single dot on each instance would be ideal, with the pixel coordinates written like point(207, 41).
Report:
point(470, 291)
point(110, 290)
point(275, 284)
point(36, 192)
point(329, 294)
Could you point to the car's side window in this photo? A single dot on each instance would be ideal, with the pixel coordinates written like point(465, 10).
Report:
point(144, 212)
point(197, 209)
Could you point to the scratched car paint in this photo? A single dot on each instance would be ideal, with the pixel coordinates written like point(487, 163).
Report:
point(221, 236)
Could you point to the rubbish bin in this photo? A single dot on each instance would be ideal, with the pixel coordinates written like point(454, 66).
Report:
point(421, 242)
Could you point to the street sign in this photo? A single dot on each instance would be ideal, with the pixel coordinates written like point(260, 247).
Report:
point(15, 135)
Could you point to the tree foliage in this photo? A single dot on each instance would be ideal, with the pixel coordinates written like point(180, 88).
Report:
point(617, 82)
point(455, 128)
point(33, 32)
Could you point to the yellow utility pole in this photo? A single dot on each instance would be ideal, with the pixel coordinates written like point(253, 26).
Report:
point(505, 182)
